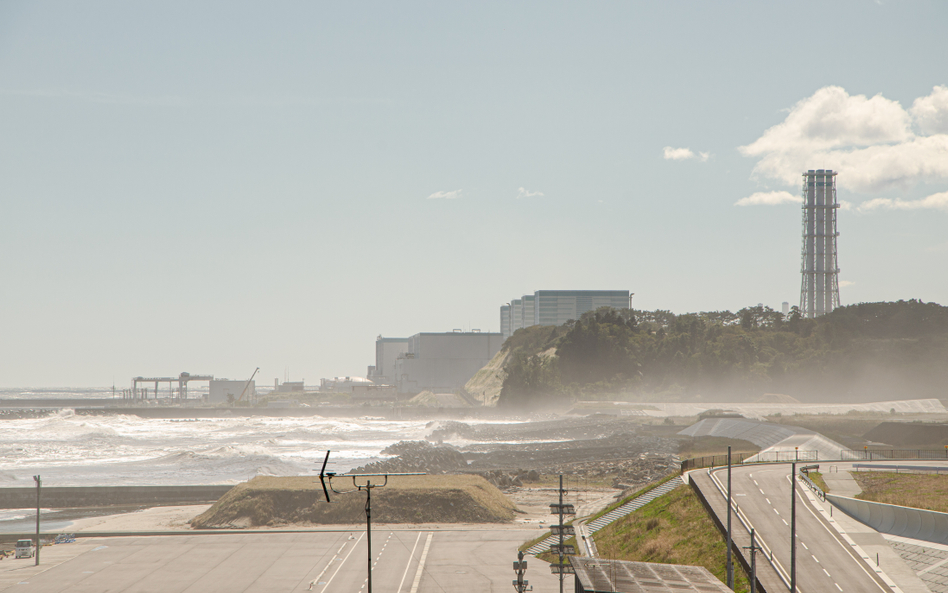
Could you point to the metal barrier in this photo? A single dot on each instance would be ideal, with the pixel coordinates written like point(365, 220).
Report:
point(816, 489)
point(883, 454)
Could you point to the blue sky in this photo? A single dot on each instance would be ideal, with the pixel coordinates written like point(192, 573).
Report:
point(213, 187)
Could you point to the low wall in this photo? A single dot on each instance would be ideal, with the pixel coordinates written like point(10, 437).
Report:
point(64, 497)
point(908, 522)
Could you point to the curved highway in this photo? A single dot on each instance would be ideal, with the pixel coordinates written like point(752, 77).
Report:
point(824, 560)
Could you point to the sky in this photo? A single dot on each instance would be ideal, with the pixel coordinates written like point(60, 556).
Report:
point(214, 187)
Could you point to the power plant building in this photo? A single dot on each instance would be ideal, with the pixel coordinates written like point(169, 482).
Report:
point(444, 362)
point(556, 307)
point(387, 351)
point(819, 290)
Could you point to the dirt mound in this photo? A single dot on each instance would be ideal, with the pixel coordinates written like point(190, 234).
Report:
point(409, 499)
point(910, 435)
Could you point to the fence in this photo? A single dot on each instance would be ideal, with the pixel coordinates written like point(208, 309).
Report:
point(787, 456)
point(744, 458)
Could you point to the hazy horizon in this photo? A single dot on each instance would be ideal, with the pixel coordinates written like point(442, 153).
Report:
point(226, 186)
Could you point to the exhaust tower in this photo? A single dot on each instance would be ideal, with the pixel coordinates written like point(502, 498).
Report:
point(819, 290)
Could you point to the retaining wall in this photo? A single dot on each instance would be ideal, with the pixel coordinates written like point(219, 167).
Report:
point(60, 497)
point(908, 522)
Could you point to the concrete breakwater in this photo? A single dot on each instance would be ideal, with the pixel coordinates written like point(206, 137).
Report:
point(68, 497)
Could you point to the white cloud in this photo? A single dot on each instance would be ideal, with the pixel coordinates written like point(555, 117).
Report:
point(447, 195)
point(524, 193)
point(769, 198)
point(931, 113)
point(845, 283)
point(677, 154)
point(933, 202)
point(868, 140)
point(704, 156)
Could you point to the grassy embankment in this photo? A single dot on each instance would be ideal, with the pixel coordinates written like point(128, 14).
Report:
point(673, 529)
point(921, 491)
point(416, 499)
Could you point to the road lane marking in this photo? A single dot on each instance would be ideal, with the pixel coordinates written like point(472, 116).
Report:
point(421, 564)
point(814, 557)
point(838, 587)
point(354, 546)
point(827, 574)
point(768, 501)
point(407, 566)
point(804, 545)
point(761, 491)
point(315, 581)
point(785, 522)
point(776, 511)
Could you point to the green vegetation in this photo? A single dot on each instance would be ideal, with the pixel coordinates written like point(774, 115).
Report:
point(415, 499)
point(673, 529)
point(817, 478)
point(860, 352)
point(921, 491)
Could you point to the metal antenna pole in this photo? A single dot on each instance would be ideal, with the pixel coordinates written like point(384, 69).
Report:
point(368, 525)
point(39, 483)
point(730, 564)
point(793, 528)
point(368, 486)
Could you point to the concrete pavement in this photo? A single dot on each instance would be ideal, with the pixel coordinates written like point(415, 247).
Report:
point(404, 561)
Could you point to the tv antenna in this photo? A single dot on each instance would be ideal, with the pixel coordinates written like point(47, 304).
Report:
point(367, 486)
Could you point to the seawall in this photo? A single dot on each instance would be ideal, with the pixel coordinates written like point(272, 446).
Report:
point(65, 497)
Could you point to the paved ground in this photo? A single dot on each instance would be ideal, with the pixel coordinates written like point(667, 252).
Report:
point(405, 561)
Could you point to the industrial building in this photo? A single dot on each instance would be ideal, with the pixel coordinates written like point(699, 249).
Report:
point(556, 307)
point(819, 290)
point(444, 362)
point(224, 391)
point(387, 351)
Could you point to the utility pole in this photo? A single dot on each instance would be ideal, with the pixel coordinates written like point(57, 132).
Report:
point(793, 528)
point(39, 483)
point(730, 563)
point(753, 551)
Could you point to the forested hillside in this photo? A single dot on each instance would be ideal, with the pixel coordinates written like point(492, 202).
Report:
point(865, 352)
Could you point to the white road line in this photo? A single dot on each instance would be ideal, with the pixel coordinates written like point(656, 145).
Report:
point(421, 564)
point(768, 501)
point(407, 566)
point(354, 546)
point(814, 557)
point(315, 581)
point(785, 522)
point(838, 587)
point(804, 545)
point(776, 511)
point(827, 574)
point(761, 491)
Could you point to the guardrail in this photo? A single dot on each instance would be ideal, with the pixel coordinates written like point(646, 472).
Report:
point(882, 454)
point(812, 485)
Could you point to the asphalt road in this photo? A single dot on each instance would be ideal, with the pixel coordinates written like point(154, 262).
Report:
point(824, 561)
point(406, 561)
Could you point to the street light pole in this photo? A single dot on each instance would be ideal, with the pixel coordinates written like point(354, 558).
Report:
point(793, 528)
point(730, 564)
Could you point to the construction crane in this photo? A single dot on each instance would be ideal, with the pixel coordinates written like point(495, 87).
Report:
point(247, 386)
